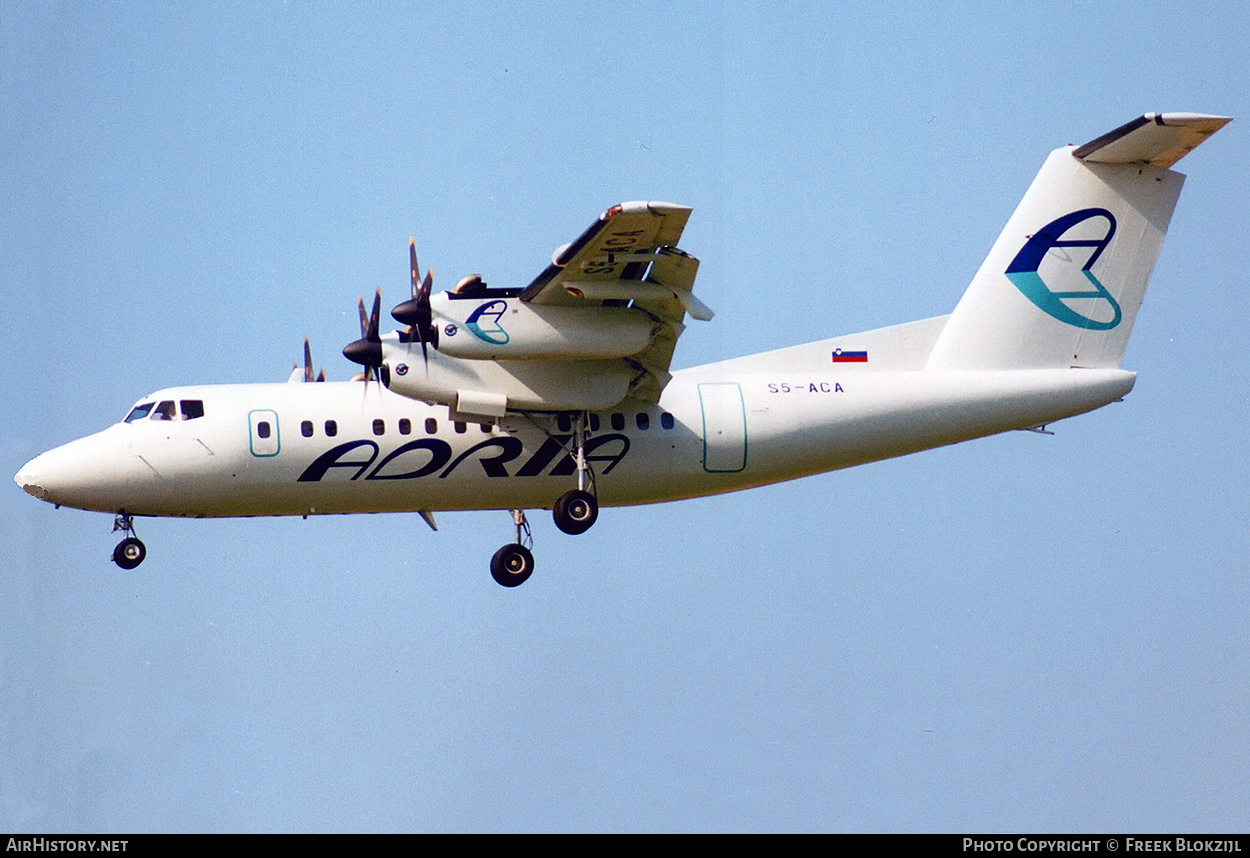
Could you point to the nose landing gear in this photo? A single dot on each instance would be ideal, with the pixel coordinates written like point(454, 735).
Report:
point(130, 552)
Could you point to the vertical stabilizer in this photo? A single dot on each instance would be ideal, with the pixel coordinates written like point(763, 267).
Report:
point(1063, 282)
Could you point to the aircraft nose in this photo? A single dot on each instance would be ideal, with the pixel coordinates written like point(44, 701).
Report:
point(30, 480)
point(95, 472)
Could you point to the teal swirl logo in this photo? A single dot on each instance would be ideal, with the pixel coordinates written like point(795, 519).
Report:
point(1104, 312)
point(484, 322)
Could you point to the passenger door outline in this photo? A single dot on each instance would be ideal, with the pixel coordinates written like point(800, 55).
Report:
point(724, 427)
point(263, 435)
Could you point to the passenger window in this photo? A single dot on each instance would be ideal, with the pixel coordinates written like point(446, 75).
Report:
point(431, 426)
point(379, 427)
point(563, 423)
point(192, 408)
point(139, 412)
point(594, 423)
point(164, 411)
point(332, 428)
point(666, 420)
point(485, 428)
point(643, 420)
point(460, 427)
point(405, 426)
point(618, 422)
point(262, 429)
point(306, 428)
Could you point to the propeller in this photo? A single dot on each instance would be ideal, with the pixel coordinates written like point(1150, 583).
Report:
point(308, 372)
point(367, 351)
point(416, 312)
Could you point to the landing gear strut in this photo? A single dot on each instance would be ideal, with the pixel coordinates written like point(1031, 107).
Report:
point(513, 564)
point(130, 552)
point(575, 511)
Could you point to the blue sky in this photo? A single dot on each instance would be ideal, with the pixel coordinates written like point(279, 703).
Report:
point(1021, 633)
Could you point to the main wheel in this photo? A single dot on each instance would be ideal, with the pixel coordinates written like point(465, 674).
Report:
point(575, 511)
point(129, 553)
point(512, 565)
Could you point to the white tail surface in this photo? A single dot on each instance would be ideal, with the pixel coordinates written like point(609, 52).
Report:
point(1063, 282)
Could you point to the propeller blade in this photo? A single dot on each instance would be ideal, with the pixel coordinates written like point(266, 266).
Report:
point(372, 334)
point(308, 372)
point(412, 265)
point(425, 317)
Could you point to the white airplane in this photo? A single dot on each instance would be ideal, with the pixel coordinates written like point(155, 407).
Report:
point(559, 394)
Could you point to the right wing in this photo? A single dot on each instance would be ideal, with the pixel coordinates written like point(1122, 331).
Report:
point(630, 255)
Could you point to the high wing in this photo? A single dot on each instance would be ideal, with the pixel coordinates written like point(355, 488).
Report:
point(629, 256)
point(598, 325)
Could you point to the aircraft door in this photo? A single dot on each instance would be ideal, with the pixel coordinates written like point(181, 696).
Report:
point(724, 427)
point(263, 428)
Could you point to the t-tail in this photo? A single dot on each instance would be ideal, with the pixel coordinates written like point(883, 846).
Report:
point(1063, 282)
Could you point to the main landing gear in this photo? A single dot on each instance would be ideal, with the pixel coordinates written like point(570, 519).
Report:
point(130, 552)
point(574, 512)
point(513, 564)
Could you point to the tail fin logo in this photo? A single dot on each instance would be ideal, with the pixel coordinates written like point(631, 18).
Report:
point(1056, 249)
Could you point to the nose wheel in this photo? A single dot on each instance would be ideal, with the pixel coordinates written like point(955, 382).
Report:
point(130, 552)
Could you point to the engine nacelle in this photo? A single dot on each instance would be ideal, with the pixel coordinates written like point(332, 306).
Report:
point(489, 388)
point(506, 328)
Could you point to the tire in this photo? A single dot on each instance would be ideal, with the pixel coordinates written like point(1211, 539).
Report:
point(129, 553)
point(575, 511)
point(512, 565)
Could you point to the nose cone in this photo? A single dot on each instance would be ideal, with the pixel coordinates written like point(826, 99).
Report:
point(28, 478)
point(95, 473)
point(51, 475)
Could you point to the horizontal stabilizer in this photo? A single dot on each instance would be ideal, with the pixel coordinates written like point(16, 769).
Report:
point(1161, 139)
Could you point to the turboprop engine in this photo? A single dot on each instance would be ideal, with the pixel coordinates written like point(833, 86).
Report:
point(489, 388)
point(484, 351)
point(510, 329)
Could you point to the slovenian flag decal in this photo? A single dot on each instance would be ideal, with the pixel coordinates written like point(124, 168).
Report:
point(846, 356)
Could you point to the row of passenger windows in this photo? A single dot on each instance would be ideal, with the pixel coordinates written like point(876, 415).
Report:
point(166, 410)
point(617, 420)
point(379, 427)
point(565, 423)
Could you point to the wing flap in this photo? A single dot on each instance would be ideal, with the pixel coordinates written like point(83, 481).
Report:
point(620, 245)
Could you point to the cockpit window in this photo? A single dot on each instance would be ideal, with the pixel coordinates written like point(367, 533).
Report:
point(192, 408)
point(139, 412)
point(164, 411)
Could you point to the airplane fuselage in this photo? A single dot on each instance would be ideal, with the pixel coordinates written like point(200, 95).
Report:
point(352, 447)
